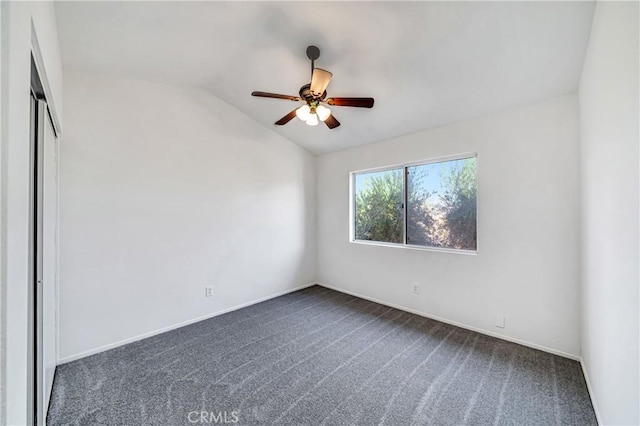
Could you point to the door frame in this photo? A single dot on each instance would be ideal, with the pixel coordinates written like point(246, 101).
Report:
point(23, 26)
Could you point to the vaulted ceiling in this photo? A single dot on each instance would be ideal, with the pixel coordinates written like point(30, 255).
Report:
point(426, 63)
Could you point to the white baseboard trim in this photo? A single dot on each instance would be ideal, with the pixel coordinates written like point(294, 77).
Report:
point(590, 390)
point(457, 324)
point(174, 326)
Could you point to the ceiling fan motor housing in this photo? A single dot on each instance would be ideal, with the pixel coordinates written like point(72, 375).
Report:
point(305, 93)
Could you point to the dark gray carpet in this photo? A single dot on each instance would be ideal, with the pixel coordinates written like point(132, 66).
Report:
point(315, 357)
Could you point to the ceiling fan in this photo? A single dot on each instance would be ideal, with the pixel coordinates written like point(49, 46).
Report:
point(314, 95)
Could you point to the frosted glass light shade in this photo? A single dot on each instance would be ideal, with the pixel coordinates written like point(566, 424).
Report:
point(319, 81)
point(312, 120)
point(304, 112)
point(323, 112)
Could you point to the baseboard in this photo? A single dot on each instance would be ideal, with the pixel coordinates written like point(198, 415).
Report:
point(174, 326)
point(590, 390)
point(457, 324)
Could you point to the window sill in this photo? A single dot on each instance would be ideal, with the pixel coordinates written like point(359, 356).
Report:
point(413, 247)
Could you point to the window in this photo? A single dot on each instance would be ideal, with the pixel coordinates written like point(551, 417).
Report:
point(440, 200)
point(379, 199)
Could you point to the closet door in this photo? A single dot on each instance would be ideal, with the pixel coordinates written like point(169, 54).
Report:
point(49, 258)
point(36, 256)
point(44, 260)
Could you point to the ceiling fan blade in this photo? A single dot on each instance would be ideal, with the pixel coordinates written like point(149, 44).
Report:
point(331, 122)
point(319, 81)
point(287, 118)
point(352, 102)
point(275, 95)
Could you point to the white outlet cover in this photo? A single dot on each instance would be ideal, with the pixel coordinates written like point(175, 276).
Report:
point(500, 321)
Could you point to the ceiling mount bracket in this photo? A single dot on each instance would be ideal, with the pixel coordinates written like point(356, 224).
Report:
point(313, 52)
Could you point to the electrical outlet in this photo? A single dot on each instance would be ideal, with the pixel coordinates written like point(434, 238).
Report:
point(416, 289)
point(500, 321)
point(208, 291)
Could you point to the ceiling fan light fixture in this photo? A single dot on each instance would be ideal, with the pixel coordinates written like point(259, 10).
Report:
point(323, 112)
point(312, 95)
point(312, 120)
point(303, 113)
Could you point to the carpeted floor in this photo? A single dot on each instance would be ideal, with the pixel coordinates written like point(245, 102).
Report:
point(315, 357)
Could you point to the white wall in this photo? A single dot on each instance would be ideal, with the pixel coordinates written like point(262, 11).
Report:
point(20, 23)
point(609, 177)
point(527, 266)
point(2, 234)
point(164, 190)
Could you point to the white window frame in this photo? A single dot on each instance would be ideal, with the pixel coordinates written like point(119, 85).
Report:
point(404, 166)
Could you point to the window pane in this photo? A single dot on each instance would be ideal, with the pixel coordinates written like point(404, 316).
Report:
point(378, 206)
point(441, 204)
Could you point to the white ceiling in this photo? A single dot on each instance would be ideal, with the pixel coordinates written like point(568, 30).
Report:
point(425, 63)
